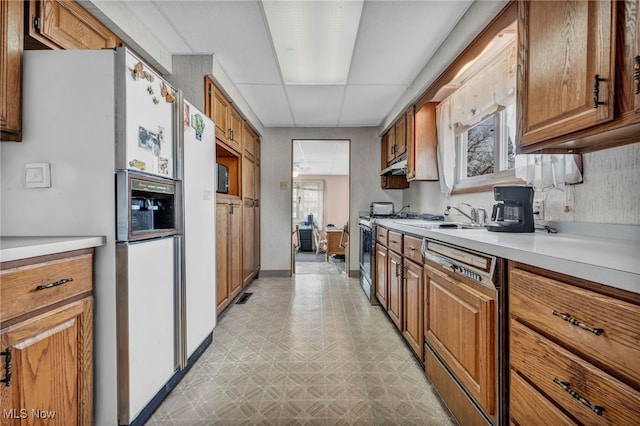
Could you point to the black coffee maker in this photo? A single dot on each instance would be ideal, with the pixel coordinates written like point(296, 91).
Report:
point(514, 213)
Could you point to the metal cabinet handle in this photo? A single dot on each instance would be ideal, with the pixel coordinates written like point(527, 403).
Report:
point(567, 387)
point(8, 367)
point(636, 74)
point(596, 91)
point(54, 284)
point(571, 320)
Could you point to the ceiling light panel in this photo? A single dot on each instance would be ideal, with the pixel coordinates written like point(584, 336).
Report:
point(313, 40)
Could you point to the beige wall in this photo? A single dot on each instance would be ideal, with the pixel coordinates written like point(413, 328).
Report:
point(364, 183)
point(336, 198)
point(609, 193)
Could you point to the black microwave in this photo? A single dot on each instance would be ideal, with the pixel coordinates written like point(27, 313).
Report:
point(222, 185)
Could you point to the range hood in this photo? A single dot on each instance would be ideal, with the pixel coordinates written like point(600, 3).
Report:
point(396, 169)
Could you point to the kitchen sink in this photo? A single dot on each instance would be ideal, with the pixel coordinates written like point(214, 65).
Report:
point(437, 224)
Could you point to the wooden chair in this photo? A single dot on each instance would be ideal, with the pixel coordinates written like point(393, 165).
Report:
point(321, 243)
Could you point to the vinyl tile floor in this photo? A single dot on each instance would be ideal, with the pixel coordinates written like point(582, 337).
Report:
point(306, 350)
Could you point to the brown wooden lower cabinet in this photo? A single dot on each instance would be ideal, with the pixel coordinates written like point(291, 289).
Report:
point(47, 349)
point(412, 307)
point(394, 307)
point(248, 244)
point(460, 325)
point(228, 250)
point(574, 353)
point(381, 275)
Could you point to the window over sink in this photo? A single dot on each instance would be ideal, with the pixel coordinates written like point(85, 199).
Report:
point(487, 148)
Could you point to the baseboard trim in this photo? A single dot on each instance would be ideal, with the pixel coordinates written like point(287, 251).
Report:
point(276, 273)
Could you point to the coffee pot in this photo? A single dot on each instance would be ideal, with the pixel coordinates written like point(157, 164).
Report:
point(514, 212)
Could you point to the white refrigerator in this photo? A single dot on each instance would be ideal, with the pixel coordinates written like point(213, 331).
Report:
point(87, 114)
point(199, 267)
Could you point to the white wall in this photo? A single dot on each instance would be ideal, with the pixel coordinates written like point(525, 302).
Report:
point(276, 203)
point(609, 193)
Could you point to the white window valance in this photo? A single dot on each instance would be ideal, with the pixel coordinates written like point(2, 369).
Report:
point(486, 92)
point(492, 88)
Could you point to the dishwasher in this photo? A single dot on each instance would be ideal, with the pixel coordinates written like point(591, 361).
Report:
point(465, 331)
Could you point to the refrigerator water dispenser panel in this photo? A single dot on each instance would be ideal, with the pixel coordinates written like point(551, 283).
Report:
point(146, 207)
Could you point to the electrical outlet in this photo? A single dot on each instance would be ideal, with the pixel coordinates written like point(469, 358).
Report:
point(538, 206)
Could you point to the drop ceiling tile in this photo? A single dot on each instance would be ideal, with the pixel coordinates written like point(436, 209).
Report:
point(397, 38)
point(234, 31)
point(315, 105)
point(268, 102)
point(367, 105)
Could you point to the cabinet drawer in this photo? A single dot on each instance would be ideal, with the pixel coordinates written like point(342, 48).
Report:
point(529, 407)
point(395, 241)
point(413, 249)
point(382, 235)
point(29, 287)
point(534, 299)
point(570, 381)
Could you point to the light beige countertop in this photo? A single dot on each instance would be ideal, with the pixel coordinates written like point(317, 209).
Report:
point(609, 261)
point(16, 248)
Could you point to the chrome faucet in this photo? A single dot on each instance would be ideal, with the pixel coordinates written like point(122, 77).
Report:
point(473, 216)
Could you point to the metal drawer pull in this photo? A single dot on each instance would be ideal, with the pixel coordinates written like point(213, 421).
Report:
point(636, 74)
point(54, 284)
point(567, 387)
point(8, 367)
point(570, 319)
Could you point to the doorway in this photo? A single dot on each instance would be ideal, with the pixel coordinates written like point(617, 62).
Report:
point(320, 206)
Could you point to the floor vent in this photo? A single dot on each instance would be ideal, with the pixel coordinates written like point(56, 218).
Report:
point(243, 298)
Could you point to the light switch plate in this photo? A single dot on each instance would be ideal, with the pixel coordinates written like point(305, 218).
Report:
point(37, 175)
point(284, 186)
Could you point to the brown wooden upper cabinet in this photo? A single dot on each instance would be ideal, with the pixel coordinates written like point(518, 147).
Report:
point(391, 145)
point(422, 143)
point(58, 24)
point(396, 140)
point(578, 80)
point(11, 14)
point(227, 120)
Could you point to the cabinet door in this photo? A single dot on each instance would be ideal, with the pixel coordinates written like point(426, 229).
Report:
point(382, 275)
point(461, 327)
point(383, 150)
point(411, 145)
point(248, 178)
point(256, 211)
point(235, 248)
point(425, 158)
point(249, 141)
point(248, 225)
point(566, 50)
point(221, 115)
point(391, 145)
point(413, 302)
point(256, 238)
point(401, 136)
point(235, 124)
point(52, 367)
point(223, 292)
point(66, 25)
point(394, 307)
point(632, 6)
point(11, 70)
